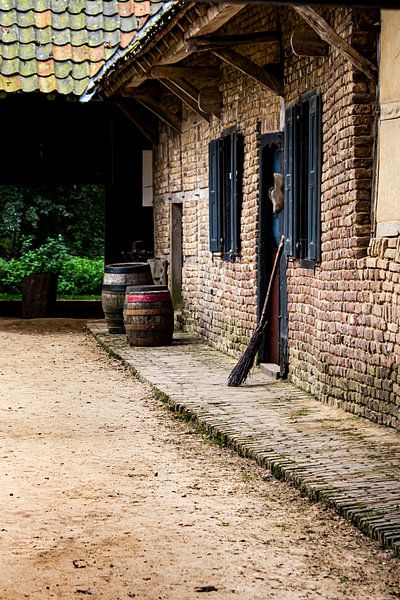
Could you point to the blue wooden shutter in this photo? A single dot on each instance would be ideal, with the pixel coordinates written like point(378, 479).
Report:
point(214, 191)
point(290, 208)
point(313, 178)
point(236, 192)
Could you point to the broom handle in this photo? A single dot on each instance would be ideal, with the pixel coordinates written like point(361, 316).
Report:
point(263, 319)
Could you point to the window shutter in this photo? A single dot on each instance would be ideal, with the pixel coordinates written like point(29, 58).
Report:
point(237, 146)
point(214, 191)
point(313, 178)
point(289, 214)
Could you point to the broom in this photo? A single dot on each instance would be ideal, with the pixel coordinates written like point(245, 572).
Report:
point(240, 372)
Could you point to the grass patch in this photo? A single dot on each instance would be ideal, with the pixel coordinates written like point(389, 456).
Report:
point(62, 297)
point(302, 412)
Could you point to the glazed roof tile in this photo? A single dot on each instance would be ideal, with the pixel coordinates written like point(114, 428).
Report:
point(58, 45)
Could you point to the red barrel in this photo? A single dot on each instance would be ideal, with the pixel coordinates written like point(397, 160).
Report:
point(148, 315)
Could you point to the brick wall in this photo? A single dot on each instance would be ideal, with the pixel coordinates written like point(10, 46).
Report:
point(343, 315)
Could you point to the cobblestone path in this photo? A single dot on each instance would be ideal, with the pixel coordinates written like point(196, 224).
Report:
point(331, 455)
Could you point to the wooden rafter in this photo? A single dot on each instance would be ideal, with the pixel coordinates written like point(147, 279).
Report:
point(145, 128)
point(251, 69)
point(188, 100)
point(329, 35)
point(209, 99)
point(177, 72)
point(155, 107)
point(188, 88)
point(212, 42)
point(357, 4)
point(208, 20)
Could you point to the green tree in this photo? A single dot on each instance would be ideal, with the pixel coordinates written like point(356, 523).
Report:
point(41, 212)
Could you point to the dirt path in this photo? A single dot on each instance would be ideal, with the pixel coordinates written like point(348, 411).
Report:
point(105, 494)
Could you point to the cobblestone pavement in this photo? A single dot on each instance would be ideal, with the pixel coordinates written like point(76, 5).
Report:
point(331, 455)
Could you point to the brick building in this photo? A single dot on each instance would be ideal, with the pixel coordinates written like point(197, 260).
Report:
point(263, 97)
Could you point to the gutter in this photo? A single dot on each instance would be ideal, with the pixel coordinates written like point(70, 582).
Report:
point(125, 55)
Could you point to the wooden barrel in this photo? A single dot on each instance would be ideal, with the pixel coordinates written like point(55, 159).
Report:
point(148, 315)
point(116, 279)
point(39, 295)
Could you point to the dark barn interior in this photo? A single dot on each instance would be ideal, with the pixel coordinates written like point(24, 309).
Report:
point(62, 141)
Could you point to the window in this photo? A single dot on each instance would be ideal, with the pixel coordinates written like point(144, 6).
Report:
point(225, 164)
point(302, 215)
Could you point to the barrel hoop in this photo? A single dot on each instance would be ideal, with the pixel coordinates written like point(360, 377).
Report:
point(113, 288)
point(145, 288)
point(148, 327)
point(155, 297)
point(130, 312)
point(127, 268)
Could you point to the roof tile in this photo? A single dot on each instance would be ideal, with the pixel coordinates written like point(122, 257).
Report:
point(40, 19)
point(57, 45)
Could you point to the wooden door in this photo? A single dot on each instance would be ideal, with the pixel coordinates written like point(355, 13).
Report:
point(274, 346)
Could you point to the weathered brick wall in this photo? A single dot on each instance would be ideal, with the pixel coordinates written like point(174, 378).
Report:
point(220, 297)
point(344, 314)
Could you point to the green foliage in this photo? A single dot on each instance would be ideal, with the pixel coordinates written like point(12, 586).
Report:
point(76, 275)
point(57, 229)
point(42, 212)
point(80, 276)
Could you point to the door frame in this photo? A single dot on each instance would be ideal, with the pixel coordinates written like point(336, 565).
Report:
point(271, 141)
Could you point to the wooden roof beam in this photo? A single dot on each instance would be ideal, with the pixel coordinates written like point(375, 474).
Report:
point(202, 43)
point(146, 128)
point(176, 72)
point(329, 35)
point(155, 107)
point(185, 98)
point(209, 99)
point(251, 69)
point(209, 19)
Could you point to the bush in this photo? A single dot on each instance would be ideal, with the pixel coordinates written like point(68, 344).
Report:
point(80, 276)
point(76, 276)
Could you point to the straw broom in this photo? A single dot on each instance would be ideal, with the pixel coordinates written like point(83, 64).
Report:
point(240, 372)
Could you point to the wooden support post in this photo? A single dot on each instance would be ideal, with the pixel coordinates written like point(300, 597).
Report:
point(246, 66)
point(213, 42)
point(188, 100)
point(330, 36)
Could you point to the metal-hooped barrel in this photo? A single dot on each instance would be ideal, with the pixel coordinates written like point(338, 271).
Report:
point(117, 277)
point(149, 315)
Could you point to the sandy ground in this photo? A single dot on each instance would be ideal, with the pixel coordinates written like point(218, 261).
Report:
point(106, 494)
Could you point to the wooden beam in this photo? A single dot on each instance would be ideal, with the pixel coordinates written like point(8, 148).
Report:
point(188, 88)
point(145, 128)
point(211, 42)
point(246, 66)
point(156, 108)
point(306, 42)
point(176, 72)
point(210, 100)
point(188, 100)
point(330, 36)
point(393, 4)
point(205, 23)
